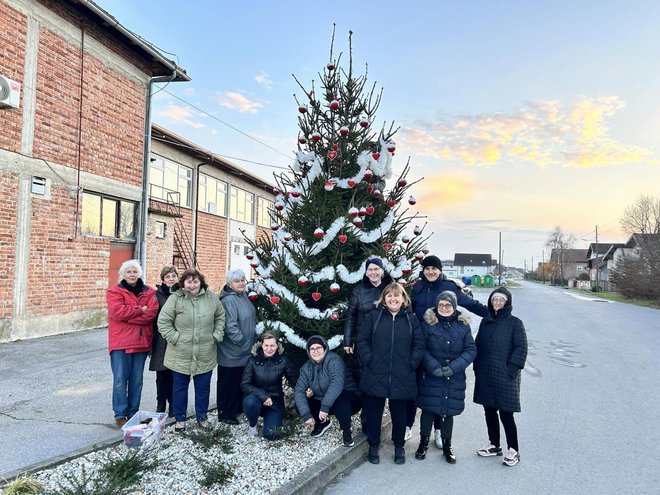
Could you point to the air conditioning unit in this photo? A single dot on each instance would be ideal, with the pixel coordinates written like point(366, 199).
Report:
point(10, 93)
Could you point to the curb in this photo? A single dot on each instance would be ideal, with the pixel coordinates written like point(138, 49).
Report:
point(319, 475)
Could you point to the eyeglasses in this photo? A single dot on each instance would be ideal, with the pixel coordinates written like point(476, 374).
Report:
point(445, 305)
point(315, 348)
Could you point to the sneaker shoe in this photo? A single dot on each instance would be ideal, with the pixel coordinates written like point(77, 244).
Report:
point(204, 424)
point(252, 431)
point(373, 456)
point(320, 428)
point(438, 438)
point(348, 439)
point(489, 450)
point(511, 458)
point(408, 434)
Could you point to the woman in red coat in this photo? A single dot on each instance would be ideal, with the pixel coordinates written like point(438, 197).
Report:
point(132, 308)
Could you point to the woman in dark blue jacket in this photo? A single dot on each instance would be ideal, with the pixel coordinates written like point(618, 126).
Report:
point(501, 354)
point(441, 390)
point(262, 385)
point(392, 346)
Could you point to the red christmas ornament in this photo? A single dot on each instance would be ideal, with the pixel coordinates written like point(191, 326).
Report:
point(353, 211)
point(334, 288)
point(276, 191)
point(319, 233)
point(368, 174)
point(412, 200)
point(402, 282)
point(295, 193)
point(417, 230)
point(405, 239)
point(302, 140)
point(332, 155)
point(335, 147)
point(334, 316)
point(254, 264)
point(279, 206)
point(274, 226)
point(329, 185)
point(364, 123)
point(419, 256)
point(391, 203)
point(391, 148)
point(250, 256)
point(357, 221)
point(406, 271)
point(387, 246)
point(375, 155)
point(342, 238)
point(370, 210)
point(316, 136)
point(330, 66)
point(302, 109)
point(252, 296)
point(351, 183)
point(343, 130)
point(425, 250)
point(316, 296)
point(362, 212)
point(274, 299)
point(334, 104)
point(303, 281)
point(377, 192)
point(287, 237)
point(403, 183)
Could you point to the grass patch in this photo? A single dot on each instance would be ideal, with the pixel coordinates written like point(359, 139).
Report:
point(23, 485)
point(85, 484)
point(215, 473)
point(289, 430)
point(613, 296)
point(220, 437)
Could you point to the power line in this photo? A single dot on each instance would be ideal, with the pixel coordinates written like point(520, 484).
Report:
point(227, 124)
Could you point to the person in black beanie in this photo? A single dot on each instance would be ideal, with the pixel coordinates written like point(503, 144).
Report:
point(430, 284)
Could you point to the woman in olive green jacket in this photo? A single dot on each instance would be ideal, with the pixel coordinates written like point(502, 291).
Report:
point(192, 321)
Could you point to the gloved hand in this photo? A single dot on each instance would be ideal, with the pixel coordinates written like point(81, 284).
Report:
point(438, 372)
point(447, 371)
point(512, 369)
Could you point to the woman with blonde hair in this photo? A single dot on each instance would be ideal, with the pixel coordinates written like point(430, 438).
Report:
point(392, 346)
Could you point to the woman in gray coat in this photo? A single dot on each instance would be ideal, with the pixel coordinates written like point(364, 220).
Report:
point(501, 354)
point(236, 348)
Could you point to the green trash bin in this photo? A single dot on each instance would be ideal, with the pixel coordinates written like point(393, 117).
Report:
point(489, 281)
point(476, 280)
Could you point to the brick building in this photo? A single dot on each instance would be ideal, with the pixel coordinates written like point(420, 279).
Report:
point(72, 161)
point(201, 208)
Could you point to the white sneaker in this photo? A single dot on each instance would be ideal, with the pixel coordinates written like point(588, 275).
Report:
point(408, 434)
point(438, 439)
point(489, 450)
point(252, 431)
point(511, 458)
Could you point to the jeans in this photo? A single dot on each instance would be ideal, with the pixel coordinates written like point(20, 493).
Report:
point(273, 415)
point(180, 383)
point(127, 369)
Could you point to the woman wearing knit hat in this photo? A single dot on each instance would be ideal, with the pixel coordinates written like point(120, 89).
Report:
point(424, 293)
point(441, 388)
point(501, 353)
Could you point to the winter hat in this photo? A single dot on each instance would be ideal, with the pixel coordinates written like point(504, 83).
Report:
point(448, 296)
point(432, 261)
point(499, 294)
point(374, 261)
point(316, 340)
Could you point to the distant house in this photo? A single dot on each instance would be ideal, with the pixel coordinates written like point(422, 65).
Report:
point(449, 269)
point(568, 263)
point(602, 258)
point(467, 264)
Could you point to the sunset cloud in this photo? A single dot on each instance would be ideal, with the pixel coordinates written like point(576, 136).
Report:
point(181, 115)
point(238, 101)
point(447, 189)
point(543, 133)
point(264, 80)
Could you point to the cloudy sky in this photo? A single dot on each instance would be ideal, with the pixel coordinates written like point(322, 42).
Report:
point(519, 115)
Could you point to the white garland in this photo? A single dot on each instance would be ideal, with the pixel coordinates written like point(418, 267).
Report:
point(291, 335)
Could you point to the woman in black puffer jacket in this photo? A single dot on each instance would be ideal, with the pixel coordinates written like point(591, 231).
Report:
point(262, 385)
point(441, 389)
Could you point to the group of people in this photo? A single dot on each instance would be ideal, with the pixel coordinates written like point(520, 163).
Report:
point(409, 350)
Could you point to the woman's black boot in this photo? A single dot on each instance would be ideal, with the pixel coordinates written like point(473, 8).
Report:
point(447, 451)
point(423, 447)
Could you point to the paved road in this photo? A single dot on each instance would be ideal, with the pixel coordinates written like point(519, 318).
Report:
point(55, 397)
point(591, 410)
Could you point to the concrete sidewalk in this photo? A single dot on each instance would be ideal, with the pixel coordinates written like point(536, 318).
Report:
point(56, 398)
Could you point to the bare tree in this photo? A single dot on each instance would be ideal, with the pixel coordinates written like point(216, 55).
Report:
point(643, 216)
point(559, 241)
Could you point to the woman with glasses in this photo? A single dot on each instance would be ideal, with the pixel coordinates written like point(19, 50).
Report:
point(501, 354)
point(441, 388)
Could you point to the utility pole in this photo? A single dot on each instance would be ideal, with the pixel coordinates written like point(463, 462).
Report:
point(499, 272)
point(543, 265)
point(597, 262)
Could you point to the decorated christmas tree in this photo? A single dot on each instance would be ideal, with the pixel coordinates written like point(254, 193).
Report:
point(336, 207)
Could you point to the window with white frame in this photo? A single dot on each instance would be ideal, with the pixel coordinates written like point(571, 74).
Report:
point(212, 195)
point(166, 176)
point(263, 208)
point(105, 216)
point(241, 205)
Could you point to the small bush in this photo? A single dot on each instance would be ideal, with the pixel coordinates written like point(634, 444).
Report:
point(596, 288)
point(23, 485)
point(215, 473)
point(220, 437)
point(126, 470)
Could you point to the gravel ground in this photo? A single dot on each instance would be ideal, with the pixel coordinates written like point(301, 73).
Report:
point(258, 466)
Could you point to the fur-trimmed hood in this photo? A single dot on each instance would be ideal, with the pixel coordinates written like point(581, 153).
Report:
point(431, 317)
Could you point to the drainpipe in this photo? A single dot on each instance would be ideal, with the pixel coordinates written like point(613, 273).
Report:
point(144, 208)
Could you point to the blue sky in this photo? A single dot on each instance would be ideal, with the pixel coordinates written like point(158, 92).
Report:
point(519, 115)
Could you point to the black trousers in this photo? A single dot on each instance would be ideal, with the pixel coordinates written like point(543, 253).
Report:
point(493, 425)
point(344, 407)
point(373, 407)
point(443, 423)
point(164, 389)
point(229, 395)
